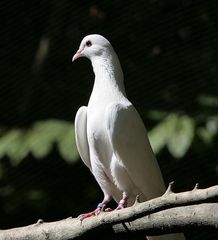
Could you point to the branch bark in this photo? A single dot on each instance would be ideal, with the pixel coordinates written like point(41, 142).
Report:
point(172, 212)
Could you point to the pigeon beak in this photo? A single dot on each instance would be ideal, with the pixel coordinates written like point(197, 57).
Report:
point(78, 54)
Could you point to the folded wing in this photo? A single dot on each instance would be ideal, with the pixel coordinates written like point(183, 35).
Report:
point(81, 135)
point(131, 146)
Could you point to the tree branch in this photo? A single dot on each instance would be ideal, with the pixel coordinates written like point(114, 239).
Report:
point(172, 212)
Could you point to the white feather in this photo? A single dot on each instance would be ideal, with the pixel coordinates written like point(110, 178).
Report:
point(81, 135)
point(110, 135)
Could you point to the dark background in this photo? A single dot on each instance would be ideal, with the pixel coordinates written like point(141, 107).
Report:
point(169, 54)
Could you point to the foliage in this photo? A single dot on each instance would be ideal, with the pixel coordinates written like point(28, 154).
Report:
point(38, 140)
point(176, 132)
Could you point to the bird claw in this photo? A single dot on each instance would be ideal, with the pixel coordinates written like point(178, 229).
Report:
point(120, 206)
point(108, 210)
point(96, 212)
point(101, 207)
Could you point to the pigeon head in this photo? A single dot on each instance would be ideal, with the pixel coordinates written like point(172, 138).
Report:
point(92, 46)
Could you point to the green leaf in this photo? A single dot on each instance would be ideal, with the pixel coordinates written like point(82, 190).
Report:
point(14, 145)
point(6, 140)
point(210, 130)
point(208, 100)
point(67, 144)
point(39, 140)
point(205, 135)
point(158, 136)
point(42, 137)
point(181, 136)
point(212, 125)
point(45, 134)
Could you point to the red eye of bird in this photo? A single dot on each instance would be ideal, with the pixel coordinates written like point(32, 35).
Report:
point(88, 44)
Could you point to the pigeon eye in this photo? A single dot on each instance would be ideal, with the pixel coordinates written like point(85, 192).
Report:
point(88, 44)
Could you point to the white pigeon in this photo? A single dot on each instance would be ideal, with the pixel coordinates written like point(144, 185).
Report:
point(110, 135)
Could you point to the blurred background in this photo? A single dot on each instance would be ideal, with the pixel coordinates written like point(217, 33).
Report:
point(169, 54)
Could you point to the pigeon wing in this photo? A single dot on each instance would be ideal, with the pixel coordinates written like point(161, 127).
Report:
point(81, 135)
point(131, 146)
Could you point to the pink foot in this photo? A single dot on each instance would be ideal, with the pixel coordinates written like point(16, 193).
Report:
point(108, 210)
point(120, 206)
point(83, 216)
point(100, 208)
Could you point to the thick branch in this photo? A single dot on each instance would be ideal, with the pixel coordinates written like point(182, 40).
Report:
point(161, 215)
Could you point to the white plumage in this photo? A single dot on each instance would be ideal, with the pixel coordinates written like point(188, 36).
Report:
point(111, 137)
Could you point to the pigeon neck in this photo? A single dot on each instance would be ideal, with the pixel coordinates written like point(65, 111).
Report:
point(108, 72)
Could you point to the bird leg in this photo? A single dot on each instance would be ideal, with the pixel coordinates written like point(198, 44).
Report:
point(123, 202)
point(100, 208)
